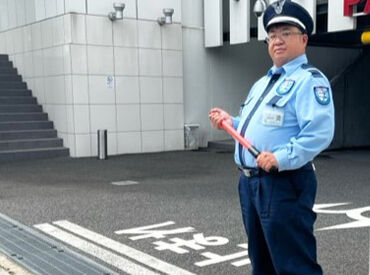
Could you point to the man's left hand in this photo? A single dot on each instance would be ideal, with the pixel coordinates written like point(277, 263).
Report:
point(266, 160)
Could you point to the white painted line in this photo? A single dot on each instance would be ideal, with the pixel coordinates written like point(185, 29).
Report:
point(148, 232)
point(241, 262)
point(125, 183)
point(94, 250)
point(128, 251)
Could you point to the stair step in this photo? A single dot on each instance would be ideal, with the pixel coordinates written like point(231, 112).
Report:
point(9, 145)
point(8, 117)
point(21, 108)
point(17, 100)
point(25, 125)
point(38, 153)
point(25, 132)
point(6, 64)
point(15, 92)
point(28, 134)
point(8, 71)
point(13, 84)
point(4, 57)
point(10, 77)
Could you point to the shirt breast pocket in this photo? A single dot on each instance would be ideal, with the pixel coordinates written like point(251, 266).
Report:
point(275, 111)
point(242, 107)
point(282, 101)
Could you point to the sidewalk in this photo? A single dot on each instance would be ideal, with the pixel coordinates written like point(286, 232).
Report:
point(8, 267)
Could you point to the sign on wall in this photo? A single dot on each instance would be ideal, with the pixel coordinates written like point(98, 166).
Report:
point(350, 5)
point(342, 14)
point(337, 21)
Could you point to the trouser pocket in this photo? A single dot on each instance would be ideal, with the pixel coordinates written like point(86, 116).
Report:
point(265, 195)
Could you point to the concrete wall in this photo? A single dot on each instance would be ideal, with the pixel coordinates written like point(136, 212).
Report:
point(223, 76)
point(16, 13)
point(67, 59)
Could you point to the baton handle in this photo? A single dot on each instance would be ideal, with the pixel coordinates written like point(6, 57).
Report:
point(245, 143)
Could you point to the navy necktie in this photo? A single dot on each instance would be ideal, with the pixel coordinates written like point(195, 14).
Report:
point(269, 86)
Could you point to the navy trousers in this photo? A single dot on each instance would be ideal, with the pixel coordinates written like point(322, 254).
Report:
point(278, 218)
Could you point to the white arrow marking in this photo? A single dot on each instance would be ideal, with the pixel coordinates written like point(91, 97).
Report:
point(355, 214)
point(318, 208)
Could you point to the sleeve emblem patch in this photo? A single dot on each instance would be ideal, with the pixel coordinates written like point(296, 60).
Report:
point(322, 95)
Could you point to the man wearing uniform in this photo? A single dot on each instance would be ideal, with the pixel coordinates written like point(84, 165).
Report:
point(289, 116)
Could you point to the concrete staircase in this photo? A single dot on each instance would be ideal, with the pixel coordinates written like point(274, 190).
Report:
point(25, 131)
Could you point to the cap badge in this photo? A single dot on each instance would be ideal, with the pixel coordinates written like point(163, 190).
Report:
point(278, 6)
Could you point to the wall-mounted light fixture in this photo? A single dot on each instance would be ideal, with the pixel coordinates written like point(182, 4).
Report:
point(260, 7)
point(167, 19)
point(117, 14)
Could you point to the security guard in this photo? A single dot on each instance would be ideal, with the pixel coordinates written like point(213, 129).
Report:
point(289, 116)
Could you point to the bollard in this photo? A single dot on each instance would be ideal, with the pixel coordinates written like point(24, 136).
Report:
point(102, 144)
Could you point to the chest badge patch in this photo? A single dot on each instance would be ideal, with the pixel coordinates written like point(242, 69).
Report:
point(322, 95)
point(285, 86)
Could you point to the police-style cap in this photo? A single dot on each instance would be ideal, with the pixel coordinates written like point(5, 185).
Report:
point(288, 12)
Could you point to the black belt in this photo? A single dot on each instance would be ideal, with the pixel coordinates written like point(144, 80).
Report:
point(250, 172)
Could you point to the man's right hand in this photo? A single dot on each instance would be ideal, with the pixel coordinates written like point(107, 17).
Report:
point(217, 115)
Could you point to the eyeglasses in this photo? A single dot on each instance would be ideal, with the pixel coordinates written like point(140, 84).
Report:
point(284, 35)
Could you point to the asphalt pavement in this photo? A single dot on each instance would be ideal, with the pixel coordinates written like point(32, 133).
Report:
point(182, 208)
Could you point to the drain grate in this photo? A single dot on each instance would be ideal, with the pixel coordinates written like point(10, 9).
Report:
point(41, 255)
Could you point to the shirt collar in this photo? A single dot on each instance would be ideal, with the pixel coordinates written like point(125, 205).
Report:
point(289, 67)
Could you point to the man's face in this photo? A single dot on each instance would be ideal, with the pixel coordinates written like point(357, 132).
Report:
point(286, 43)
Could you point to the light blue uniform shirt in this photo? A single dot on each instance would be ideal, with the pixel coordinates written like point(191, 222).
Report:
point(295, 120)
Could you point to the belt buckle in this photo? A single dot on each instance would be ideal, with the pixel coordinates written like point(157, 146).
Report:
point(247, 172)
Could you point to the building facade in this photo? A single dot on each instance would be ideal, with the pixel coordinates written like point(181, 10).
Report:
point(141, 81)
point(90, 73)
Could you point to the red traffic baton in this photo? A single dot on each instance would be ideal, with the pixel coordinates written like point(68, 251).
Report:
point(244, 142)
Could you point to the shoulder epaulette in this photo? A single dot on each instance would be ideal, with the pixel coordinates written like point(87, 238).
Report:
point(315, 73)
point(307, 66)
